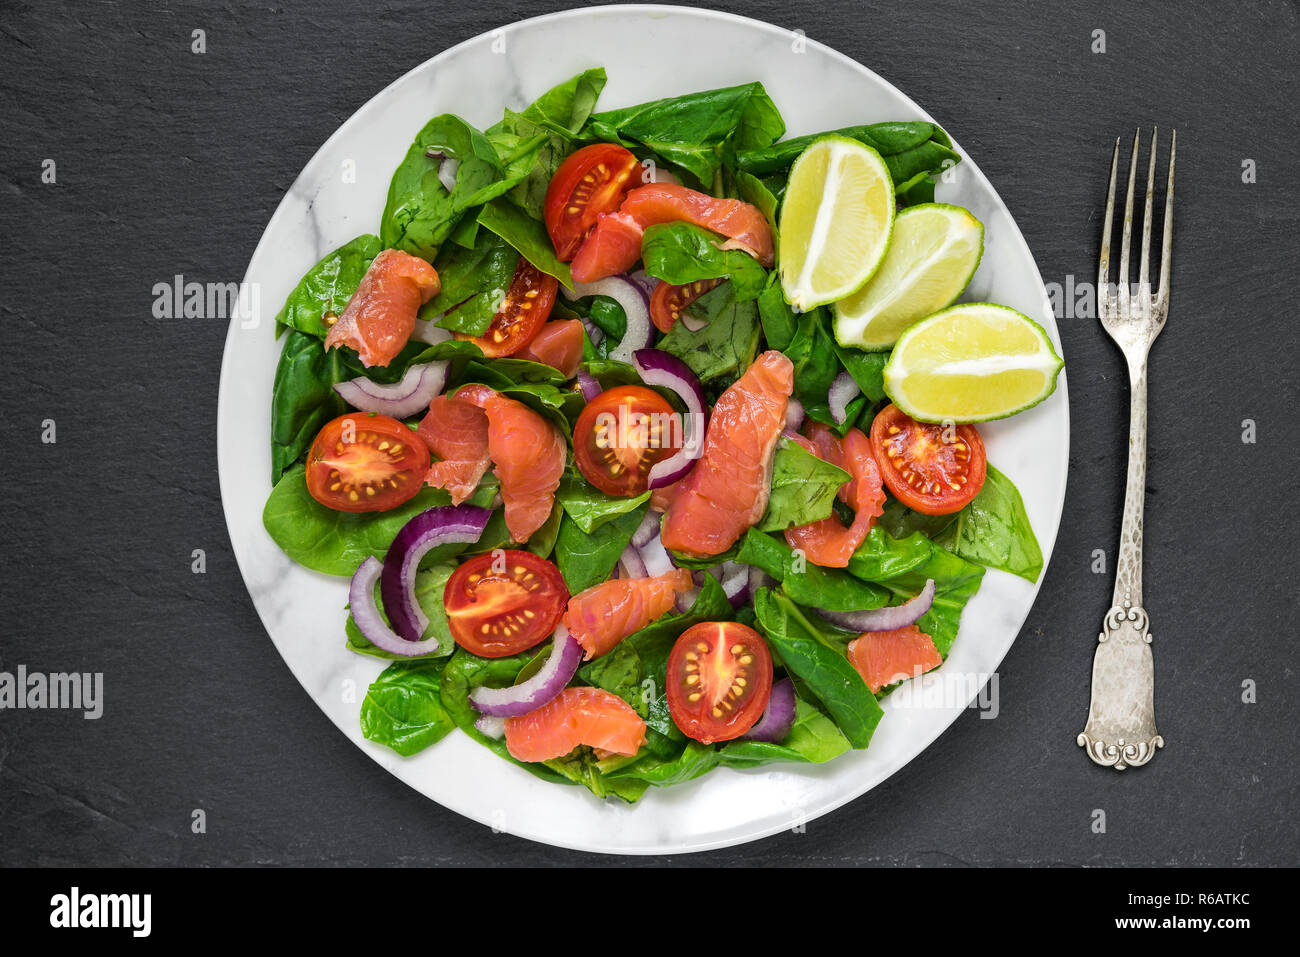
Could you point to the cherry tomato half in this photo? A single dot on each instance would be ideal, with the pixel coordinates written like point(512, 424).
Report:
point(621, 434)
point(522, 314)
point(934, 469)
point(668, 301)
point(366, 463)
point(590, 182)
point(719, 680)
point(504, 602)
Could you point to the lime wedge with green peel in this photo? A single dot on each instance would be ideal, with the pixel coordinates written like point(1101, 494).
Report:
point(970, 363)
point(836, 220)
point(932, 255)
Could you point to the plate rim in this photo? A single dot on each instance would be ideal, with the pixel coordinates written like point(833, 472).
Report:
point(281, 210)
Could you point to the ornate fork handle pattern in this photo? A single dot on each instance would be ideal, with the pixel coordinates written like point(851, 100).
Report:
point(1121, 729)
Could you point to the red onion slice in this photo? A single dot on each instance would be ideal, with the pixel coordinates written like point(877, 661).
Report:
point(412, 394)
point(588, 385)
point(644, 280)
point(631, 565)
point(685, 599)
point(734, 579)
point(648, 529)
point(778, 719)
point(664, 369)
point(635, 302)
point(560, 667)
point(361, 598)
point(655, 558)
point(432, 527)
point(842, 391)
point(429, 332)
point(490, 726)
point(885, 619)
point(794, 415)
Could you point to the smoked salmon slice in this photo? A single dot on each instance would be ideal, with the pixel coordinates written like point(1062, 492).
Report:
point(380, 316)
point(828, 542)
point(883, 657)
point(603, 615)
point(528, 453)
point(557, 344)
point(727, 490)
point(590, 716)
point(456, 432)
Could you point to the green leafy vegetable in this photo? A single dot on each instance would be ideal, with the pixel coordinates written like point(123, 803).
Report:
point(588, 506)
point(820, 664)
point(403, 709)
point(326, 288)
point(909, 149)
point(588, 558)
point(474, 283)
point(303, 398)
point(994, 530)
point(526, 234)
point(725, 347)
point(830, 588)
point(803, 488)
point(692, 130)
point(429, 585)
point(681, 253)
point(779, 321)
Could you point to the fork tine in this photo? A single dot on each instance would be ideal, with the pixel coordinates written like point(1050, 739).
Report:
point(1144, 265)
point(1167, 247)
point(1103, 267)
point(1127, 239)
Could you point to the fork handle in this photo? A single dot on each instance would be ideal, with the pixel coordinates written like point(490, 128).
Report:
point(1121, 729)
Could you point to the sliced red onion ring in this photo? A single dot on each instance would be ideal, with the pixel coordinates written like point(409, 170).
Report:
point(685, 599)
point(734, 579)
point(793, 415)
point(644, 280)
point(429, 332)
point(636, 307)
point(631, 565)
point(842, 391)
point(560, 667)
point(432, 527)
point(666, 370)
point(655, 557)
point(778, 719)
point(594, 332)
point(648, 529)
point(361, 598)
point(758, 579)
point(588, 385)
point(412, 394)
point(885, 619)
point(490, 726)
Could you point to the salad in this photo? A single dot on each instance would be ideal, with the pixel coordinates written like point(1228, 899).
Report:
point(646, 436)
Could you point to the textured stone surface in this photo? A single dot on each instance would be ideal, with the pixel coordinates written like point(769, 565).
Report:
point(170, 162)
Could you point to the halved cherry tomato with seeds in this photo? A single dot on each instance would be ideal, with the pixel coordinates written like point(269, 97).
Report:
point(590, 182)
point(934, 469)
point(668, 301)
point(522, 314)
point(504, 602)
point(621, 434)
point(719, 680)
point(366, 463)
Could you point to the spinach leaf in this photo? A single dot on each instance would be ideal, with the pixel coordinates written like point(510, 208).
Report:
point(326, 288)
point(542, 541)
point(303, 398)
point(586, 559)
point(527, 235)
point(333, 542)
point(779, 321)
point(681, 253)
point(803, 488)
point(609, 317)
point(816, 364)
point(582, 767)
point(463, 673)
point(908, 149)
point(726, 346)
point(403, 709)
point(754, 191)
point(830, 588)
point(867, 369)
point(588, 506)
point(564, 109)
point(900, 521)
point(820, 664)
point(474, 283)
point(813, 738)
point(994, 530)
point(903, 565)
point(429, 585)
point(692, 130)
point(420, 214)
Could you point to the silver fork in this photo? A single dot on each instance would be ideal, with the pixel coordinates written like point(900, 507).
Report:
point(1121, 729)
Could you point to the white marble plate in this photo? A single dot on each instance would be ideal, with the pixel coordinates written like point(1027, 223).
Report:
point(648, 52)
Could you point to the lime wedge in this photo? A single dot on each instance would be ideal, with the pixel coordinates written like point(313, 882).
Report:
point(931, 257)
point(970, 363)
point(836, 219)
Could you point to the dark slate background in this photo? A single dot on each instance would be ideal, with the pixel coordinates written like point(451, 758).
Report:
point(170, 162)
